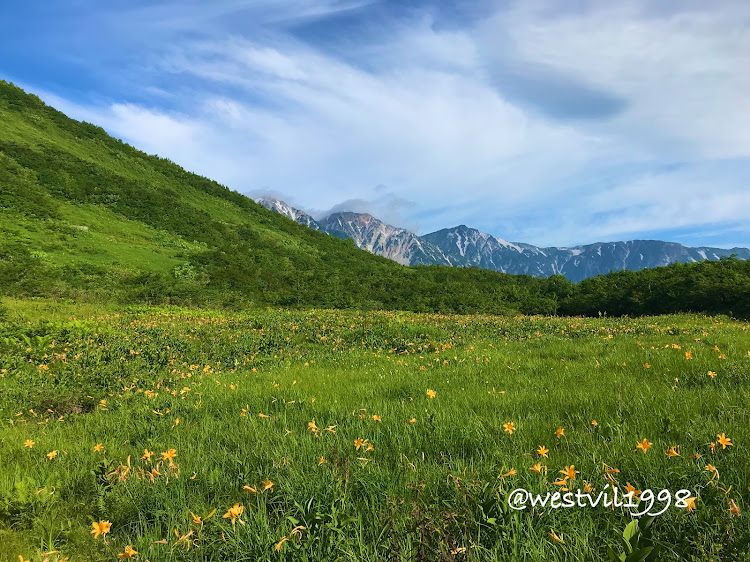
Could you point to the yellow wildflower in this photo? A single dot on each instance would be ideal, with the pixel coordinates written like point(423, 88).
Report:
point(200, 520)
point(724, 441)
point(711, 468)
point(644, 445)
point(100, 528)
point(128, 554)
point(733, 509)
point(234, 513)
point(169, 455)
point(279, 544)
point(630, 489)
point(570, 472)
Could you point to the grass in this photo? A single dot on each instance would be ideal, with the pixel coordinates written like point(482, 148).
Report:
point(89, 234)
point(72, 377)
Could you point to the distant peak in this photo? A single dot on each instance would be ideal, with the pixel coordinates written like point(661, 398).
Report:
point(279, 206)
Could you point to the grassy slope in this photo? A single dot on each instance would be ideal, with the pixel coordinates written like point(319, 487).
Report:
point(112, 238)
point(422, 491)
point(145, 216)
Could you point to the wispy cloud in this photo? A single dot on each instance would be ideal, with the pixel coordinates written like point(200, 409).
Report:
point(539, 122)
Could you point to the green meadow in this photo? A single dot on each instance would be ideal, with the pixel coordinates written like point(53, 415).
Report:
point(274, 434)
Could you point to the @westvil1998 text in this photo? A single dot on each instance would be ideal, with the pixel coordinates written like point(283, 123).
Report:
point(521, 498)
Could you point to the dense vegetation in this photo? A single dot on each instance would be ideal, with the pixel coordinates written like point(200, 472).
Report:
point(87, 217)
point(720, 287)
point(349, 436)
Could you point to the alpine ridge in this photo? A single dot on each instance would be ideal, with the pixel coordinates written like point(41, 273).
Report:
point(383, 239)
point(463, 246)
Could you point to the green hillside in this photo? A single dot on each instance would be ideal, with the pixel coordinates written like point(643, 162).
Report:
point(86, 216)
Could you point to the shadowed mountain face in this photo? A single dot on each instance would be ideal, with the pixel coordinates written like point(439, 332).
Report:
point(467, 247)
point(383, 239)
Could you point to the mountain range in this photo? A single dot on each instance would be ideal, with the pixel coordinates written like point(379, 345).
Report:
point(463, 246)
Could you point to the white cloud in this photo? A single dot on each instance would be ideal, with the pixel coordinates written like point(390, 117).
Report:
point(435, 114)
point(688, 197)
point(427, 131)
point(683, 74)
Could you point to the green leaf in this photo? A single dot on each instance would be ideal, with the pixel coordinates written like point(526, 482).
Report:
point(639, 555)
point(626, 545)
point(615, 557)
point(631, 531)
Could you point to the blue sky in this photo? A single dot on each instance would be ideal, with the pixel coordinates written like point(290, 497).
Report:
point(552, 123)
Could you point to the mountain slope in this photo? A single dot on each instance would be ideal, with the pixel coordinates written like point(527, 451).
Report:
point(382, 239)
point(85, 216)
point(368, 233)
point(484, 250)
